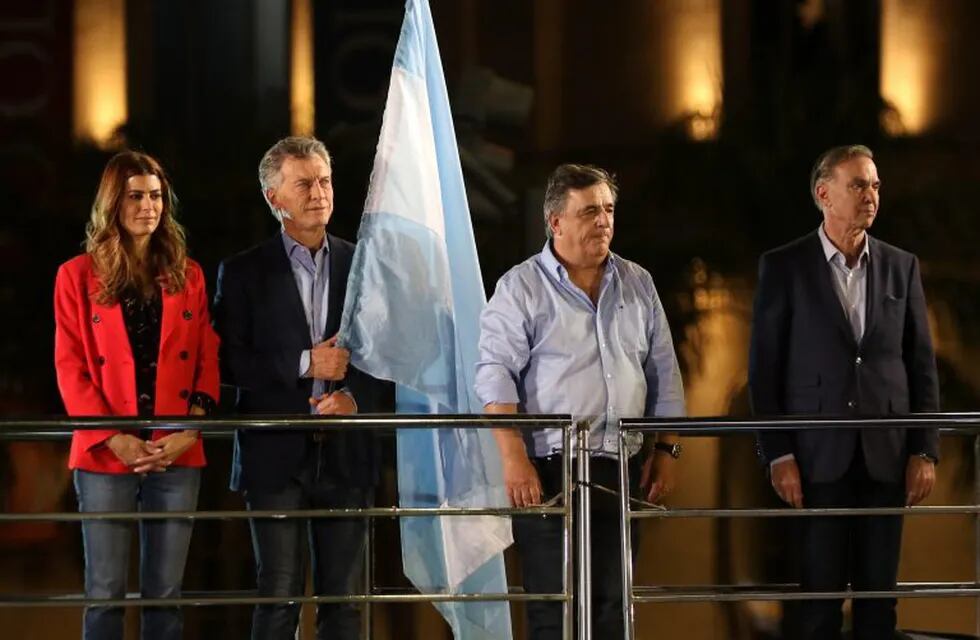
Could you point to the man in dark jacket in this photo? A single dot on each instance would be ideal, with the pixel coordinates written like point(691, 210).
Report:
point(277, 309)
point(840, 328)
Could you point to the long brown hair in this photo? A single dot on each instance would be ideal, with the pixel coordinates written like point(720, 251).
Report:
point(115, 262)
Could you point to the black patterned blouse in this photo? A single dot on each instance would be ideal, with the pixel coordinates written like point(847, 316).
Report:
point(142, 318)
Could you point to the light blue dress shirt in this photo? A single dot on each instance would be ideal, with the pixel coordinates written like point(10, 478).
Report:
point(545, 346)
point(312, 274)
point(851, 284)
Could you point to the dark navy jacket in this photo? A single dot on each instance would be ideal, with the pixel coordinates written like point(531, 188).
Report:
point(259, 316)
point(805, 360)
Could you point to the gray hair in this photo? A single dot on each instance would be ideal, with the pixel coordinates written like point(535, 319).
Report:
point(572, 176)
point(270, 167)
point(823, 168)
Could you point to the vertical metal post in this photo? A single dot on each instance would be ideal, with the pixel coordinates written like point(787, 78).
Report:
point(626, 539)
point(368, 579)
point(976, 527)
point(584, 535)
point(568, 520)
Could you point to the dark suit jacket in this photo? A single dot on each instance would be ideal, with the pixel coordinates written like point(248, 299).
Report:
point(259, 315)
point(804, 359)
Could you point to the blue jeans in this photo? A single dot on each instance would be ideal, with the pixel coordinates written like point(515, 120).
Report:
point(163, 547)
point(337, 548)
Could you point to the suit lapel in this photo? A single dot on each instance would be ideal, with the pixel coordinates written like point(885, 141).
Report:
point(281, 291)
point(337, 288)
point(873, 298)
point(114, 343)
point(827, 297)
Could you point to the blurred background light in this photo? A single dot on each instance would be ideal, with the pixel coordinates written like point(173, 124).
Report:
point(302, 114)
point(909, 40)
point(695, 55)
point(99, 70)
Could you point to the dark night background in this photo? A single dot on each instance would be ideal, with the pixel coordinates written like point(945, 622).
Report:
point(704, 191)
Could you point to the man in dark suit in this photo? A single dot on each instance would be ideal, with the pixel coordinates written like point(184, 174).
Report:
point(277, 309)
point(840, 328)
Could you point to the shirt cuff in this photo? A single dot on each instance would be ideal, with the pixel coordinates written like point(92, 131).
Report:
point(350, 395)
point(104, 442)
point(500, 391)
point(788, 456)
point(304, 364)
point(203, 401)
point(670, 409)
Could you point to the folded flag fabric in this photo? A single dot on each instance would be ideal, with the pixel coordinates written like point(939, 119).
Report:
point(412, 317)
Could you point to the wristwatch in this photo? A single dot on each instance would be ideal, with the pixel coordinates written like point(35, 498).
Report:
point(672, 449)
point(928, 458)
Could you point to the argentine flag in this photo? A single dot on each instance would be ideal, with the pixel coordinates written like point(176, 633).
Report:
point(412, 316)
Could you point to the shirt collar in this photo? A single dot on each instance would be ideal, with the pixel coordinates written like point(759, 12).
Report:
point(829, 250)
point(291, 245)
point(554, 267)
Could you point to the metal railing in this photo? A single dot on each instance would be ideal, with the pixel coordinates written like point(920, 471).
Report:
point(950, 423)
point(59, 429)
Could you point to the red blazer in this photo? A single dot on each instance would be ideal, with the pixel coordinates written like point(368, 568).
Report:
point(95, 368)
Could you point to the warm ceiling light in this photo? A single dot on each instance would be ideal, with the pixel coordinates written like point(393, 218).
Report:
point(908, 38)
point(301, 69)
point(695, 55)
point(99, 70)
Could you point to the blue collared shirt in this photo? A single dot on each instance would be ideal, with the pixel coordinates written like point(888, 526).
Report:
point(546, 347)
point(850, 284)
point(312, 274)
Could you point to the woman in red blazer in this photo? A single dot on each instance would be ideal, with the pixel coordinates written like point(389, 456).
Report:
point(133, 338)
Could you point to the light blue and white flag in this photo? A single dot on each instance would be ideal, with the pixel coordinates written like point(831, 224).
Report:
point(412, 316)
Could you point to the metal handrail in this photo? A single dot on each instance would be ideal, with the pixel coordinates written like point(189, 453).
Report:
point(31, 428)
point(966, 423)
point(212, 601)
point(924, 510)
point(244, 514)
point(783, 592)
point(57, 428)
point(963, 422)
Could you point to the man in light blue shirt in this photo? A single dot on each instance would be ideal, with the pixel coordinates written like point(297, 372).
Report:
point(577, 329)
